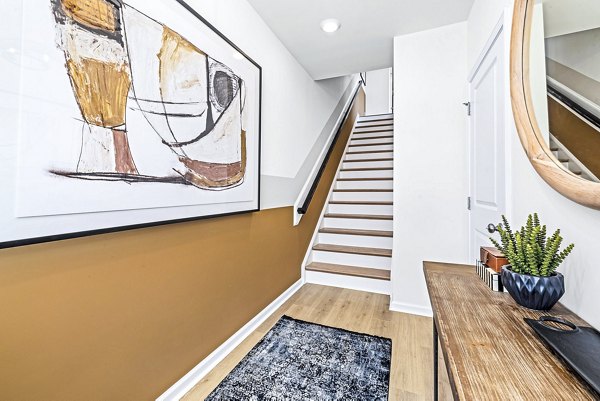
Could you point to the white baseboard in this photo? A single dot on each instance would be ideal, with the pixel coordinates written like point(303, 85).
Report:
point(351, 283)
point(411, 309)
point(187, 382)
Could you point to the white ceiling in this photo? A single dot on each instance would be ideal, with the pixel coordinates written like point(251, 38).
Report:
point(365, 40)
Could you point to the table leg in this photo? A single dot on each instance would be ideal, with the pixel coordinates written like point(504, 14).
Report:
point(435, 362)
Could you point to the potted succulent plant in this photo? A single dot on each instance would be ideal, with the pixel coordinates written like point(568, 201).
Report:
point(531, 277)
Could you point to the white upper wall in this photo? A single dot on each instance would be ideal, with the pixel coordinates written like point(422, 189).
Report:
point(579, 51)
point(295, 108)
point(378, 91)
point(484, 16)
point(564, 17)
point(430, 159)
point(364, 42)
point(537, 70)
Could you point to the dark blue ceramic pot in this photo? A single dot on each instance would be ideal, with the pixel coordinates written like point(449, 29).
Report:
point(533, 292)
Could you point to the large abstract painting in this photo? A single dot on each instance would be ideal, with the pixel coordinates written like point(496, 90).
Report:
point(141, 116)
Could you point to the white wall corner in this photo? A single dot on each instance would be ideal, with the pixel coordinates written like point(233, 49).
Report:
point(187, 382)
point(378, 92)
point(431, 159)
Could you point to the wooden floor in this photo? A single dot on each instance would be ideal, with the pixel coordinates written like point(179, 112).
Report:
point(412, 350)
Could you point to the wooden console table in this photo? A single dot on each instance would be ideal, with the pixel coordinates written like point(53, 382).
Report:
point(489, 350)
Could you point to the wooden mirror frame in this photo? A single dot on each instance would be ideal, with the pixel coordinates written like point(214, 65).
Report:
point(541, 157)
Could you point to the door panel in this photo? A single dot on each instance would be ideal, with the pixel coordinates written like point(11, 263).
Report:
point(487, 131)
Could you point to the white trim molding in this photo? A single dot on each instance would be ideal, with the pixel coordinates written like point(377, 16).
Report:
point(577, 98)
point(352, 283)
point(498, 29)
point(411, 309)
point(187, 382)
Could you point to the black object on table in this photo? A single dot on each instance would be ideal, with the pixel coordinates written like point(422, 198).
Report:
point(579, 347)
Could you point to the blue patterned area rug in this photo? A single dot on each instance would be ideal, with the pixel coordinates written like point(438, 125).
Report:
point(298, 360)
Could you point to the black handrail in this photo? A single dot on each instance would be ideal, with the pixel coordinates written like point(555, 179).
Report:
point(304, 208)
point(363, 78)
point(583, 112)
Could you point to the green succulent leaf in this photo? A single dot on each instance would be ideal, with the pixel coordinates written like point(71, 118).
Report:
point(529, 250)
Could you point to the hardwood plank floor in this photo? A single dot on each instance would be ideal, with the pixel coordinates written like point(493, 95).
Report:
point(411, 376)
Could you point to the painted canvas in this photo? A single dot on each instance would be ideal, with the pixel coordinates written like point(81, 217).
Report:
point(142, 111)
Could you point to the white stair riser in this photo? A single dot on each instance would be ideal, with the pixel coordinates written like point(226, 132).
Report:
point(366, 135)
point(384, 119)
point(361, 156)
point(389, 148)
point(371, 118)
point(362, 142)
point(359, 164)
point(364, 184)
point(360, 135)
point(356, 240)
point(353, 283)
point(366, 131)
point(382, 124)
point(358, 224)
point(367, 174)
point(363, 196)
point(361, 209)
point(374, 262)
point(378, 124)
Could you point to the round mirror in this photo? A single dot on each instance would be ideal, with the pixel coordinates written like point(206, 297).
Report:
point(555, 88)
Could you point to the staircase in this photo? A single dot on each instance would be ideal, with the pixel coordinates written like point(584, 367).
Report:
point(570, 161)
point(353, 245)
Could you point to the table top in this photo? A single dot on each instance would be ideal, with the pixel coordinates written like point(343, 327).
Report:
point(491, 353)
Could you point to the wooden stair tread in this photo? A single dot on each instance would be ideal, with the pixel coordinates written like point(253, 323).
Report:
point(367, 169)
point(372, 144)
point(355, 250)
point(387, 159)
point(359, 216)
point(350, 231)
point(363, 190)
point(371, 137)
point(354, 271)
point(366, 179)
point(366, 128)
point(373, 131)
point(370, 203)
point(364, 152)
point(377, 124)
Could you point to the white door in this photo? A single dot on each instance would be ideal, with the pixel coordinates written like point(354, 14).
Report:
point(487, 165)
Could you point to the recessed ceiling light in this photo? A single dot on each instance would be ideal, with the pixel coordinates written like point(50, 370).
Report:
point(330, 25)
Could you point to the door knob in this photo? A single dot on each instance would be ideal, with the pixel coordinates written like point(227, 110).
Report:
point(491, 228)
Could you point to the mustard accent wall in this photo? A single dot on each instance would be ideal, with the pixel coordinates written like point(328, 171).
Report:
point(123, 316)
